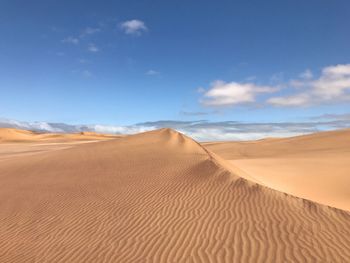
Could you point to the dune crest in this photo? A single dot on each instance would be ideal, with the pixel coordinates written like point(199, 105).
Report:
point(156, 197)
point(313, 166)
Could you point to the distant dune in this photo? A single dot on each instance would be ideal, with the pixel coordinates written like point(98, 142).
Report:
point(16, 135)
point(156, 197)
point(323, 142)
point(315, 166)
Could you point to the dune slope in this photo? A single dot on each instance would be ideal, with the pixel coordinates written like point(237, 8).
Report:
point(10, 135)
point(314, 166)
point(155, 197)
point(321, 142)
point(15, 142)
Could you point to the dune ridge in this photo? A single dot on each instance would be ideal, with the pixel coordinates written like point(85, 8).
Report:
point(156, 197)
point(320, 142)
point(313, 166)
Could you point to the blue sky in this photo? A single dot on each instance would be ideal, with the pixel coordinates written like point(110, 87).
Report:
point(127, 62)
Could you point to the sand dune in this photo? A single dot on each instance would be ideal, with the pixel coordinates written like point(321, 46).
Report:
point(155, 197)
point(10, 135)
point(315, 166)
point(322, 142)
point(15, 143)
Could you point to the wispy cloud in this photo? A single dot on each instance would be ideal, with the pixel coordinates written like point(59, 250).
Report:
point(307, 74)
point(83, 61)
point(75, 40)
point(333, 117)
point(152, 72)
point(93, 48)
point(277, 78)
point(201, 90)
point(301, 99)
point(133, 27)
point(86, 73)
point(232, 93)
point(331, 87)
point(89, 31)
point(197, 113)
point(71, 40)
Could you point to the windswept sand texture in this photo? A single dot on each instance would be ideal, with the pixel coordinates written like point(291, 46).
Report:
point(155, 197)
point(315, 166)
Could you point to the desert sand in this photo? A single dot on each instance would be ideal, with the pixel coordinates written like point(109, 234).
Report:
point(15, 142)
point(10, 135)
point(315, 166)
point(161, 197)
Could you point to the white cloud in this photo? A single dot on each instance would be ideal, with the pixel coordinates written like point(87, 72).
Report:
point(120, 129)
point(152, 72)
point(133, 27)
point(71, 40)
point(232, 93)
point(93, 48)
point(205, 135)
point(332, 86)
point(338, 70)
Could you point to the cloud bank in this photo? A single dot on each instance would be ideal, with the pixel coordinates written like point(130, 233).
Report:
point(200, 130)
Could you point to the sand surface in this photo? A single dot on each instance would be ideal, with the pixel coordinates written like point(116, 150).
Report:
point(9, 135)
point(315, 166)
point(155, 197)
point(15, 143)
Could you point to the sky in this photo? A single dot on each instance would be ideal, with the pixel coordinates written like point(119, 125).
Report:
point(125, 63)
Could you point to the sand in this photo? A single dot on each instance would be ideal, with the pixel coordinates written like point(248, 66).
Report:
point(315, 166)
point(156, 197)
point(15, 142)
point(10, 135)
